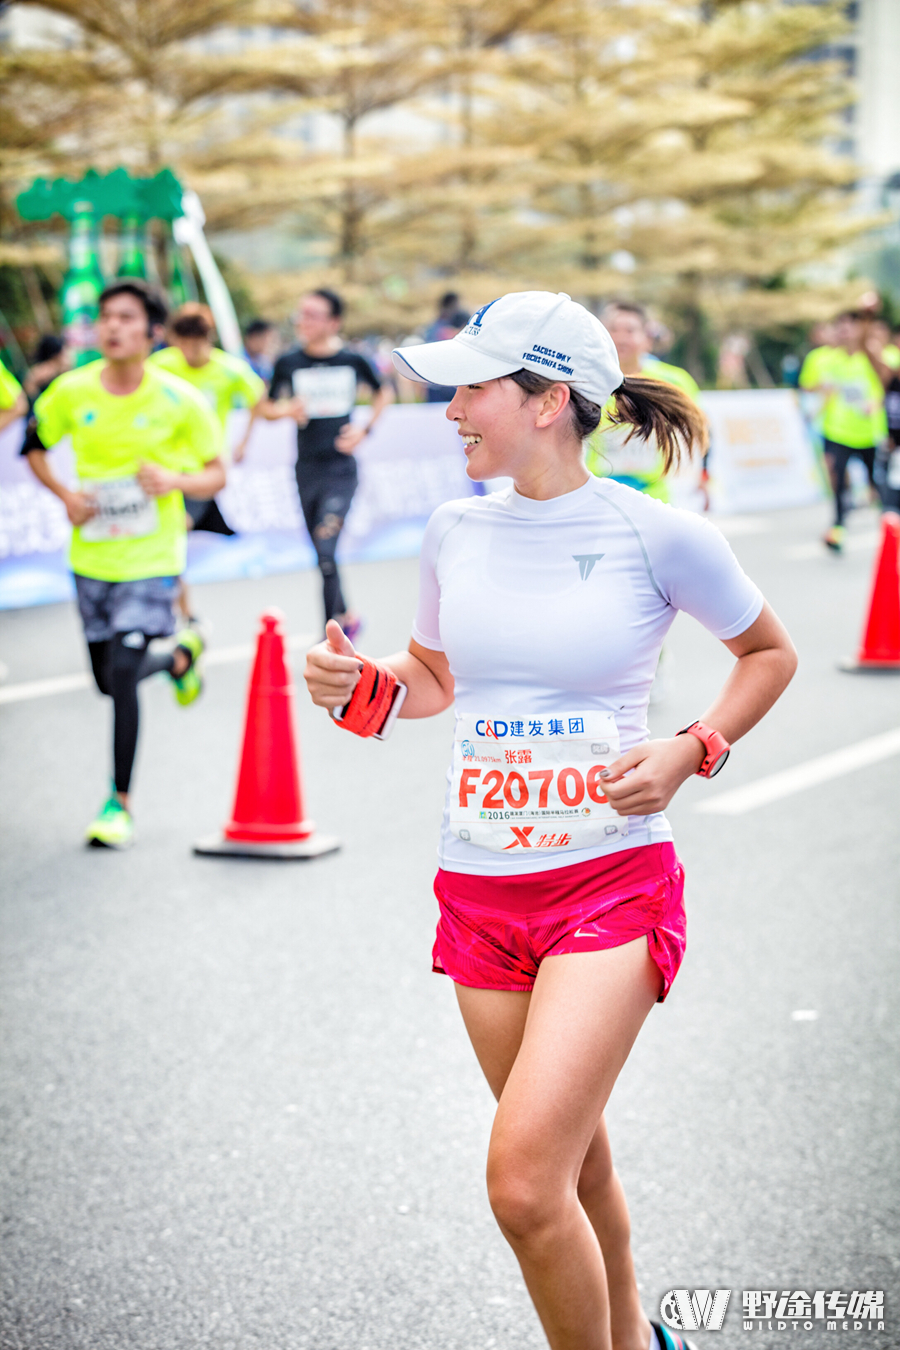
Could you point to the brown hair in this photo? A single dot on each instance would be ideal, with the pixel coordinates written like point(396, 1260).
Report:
point(649, 407)
point(192, 320)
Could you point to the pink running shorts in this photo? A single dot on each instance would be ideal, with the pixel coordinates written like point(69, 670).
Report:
point(494, 932)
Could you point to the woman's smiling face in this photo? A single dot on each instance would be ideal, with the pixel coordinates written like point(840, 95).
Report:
point(498, 421)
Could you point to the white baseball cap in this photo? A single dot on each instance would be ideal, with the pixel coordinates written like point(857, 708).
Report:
point(548, 333)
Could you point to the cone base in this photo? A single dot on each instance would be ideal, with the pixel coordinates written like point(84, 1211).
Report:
point(217, 846)
point(858, 666)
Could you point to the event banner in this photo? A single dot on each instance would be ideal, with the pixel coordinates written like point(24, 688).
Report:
point(761, 454)
point(412, 461)
point(761, 458)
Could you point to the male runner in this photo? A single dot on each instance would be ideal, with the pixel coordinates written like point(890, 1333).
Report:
point(634, 462)
point(226, 382)
point(13, 402)
point(852, 420)
point(140, 438)
point(316, 384)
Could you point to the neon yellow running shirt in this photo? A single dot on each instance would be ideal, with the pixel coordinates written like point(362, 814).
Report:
point(10, 389)
point(854, 403)
point(635, 463)
point(163, 422)
point(225, 381)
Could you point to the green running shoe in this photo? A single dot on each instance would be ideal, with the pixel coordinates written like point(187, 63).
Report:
point(113, 827)
point(189, 686)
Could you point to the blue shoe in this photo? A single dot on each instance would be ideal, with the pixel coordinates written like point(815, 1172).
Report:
point(670, 1340)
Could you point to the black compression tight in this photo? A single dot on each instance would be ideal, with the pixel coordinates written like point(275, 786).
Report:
point(119, 664)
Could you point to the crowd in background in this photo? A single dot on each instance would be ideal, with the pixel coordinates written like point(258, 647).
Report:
point(848, 379)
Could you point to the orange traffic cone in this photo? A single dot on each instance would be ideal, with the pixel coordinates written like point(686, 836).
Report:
point(268, 818)
point(880, 647)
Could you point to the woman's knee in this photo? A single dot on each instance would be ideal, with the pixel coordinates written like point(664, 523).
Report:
point(527, 1200)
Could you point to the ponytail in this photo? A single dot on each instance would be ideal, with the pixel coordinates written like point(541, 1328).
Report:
point(650, 407)
point(661, 410)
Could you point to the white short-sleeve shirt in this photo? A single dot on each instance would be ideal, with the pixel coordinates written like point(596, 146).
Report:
point(548, 606)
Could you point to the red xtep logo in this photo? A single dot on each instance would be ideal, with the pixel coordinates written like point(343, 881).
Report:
point(521, 836)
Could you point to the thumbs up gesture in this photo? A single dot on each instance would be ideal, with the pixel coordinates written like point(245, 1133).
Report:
point(332, 668)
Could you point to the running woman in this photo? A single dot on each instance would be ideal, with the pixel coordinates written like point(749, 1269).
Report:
point(316, 384)
point(141, 438)
point(541, 612)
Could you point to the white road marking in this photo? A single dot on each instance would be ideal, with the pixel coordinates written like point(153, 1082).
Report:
point(58, 684)
point(801, 776)
point(853, 543)
point(66, 684)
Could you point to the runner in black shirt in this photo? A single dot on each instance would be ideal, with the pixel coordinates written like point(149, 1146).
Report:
point(316, 385)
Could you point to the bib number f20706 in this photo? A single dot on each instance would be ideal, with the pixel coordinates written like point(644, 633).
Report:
point(533, 783)
point(124, 511)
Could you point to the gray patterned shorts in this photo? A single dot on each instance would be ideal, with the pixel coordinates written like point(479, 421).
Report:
point(109, 607)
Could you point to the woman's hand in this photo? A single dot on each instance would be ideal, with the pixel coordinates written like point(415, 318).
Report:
point(659, 769)
point(332, 668)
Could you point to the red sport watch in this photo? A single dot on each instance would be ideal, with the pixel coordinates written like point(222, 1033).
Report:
point(717, 748)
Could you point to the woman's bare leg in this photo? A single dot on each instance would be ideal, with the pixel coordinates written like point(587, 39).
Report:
point(552, 1058)
point(603, 1200)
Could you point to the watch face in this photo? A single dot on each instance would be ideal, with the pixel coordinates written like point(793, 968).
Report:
point(718, 764)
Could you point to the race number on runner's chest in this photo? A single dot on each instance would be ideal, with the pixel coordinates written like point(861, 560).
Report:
point(327, 391)
point(533, 782)
point(124, 511)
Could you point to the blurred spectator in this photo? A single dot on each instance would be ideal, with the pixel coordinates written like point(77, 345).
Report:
point(732, 372)
point(260, 343)
point(51, 358)
point(448, 305)
point(448, 323)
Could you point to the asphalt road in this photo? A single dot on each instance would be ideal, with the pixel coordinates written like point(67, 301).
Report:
point(239, 1111)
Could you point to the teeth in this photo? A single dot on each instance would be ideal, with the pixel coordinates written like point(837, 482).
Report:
point(471, 440)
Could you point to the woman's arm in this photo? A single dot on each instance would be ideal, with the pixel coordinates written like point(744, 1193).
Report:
point(332, 671)
point(766, 661)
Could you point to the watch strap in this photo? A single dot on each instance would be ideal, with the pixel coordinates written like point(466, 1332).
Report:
point(715, 744)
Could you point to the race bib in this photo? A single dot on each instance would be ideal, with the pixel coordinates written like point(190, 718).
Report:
point(124, 510)
point(327, 391)
point(524, 783)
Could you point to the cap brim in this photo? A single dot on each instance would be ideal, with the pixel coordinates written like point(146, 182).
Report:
point(449, 362)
